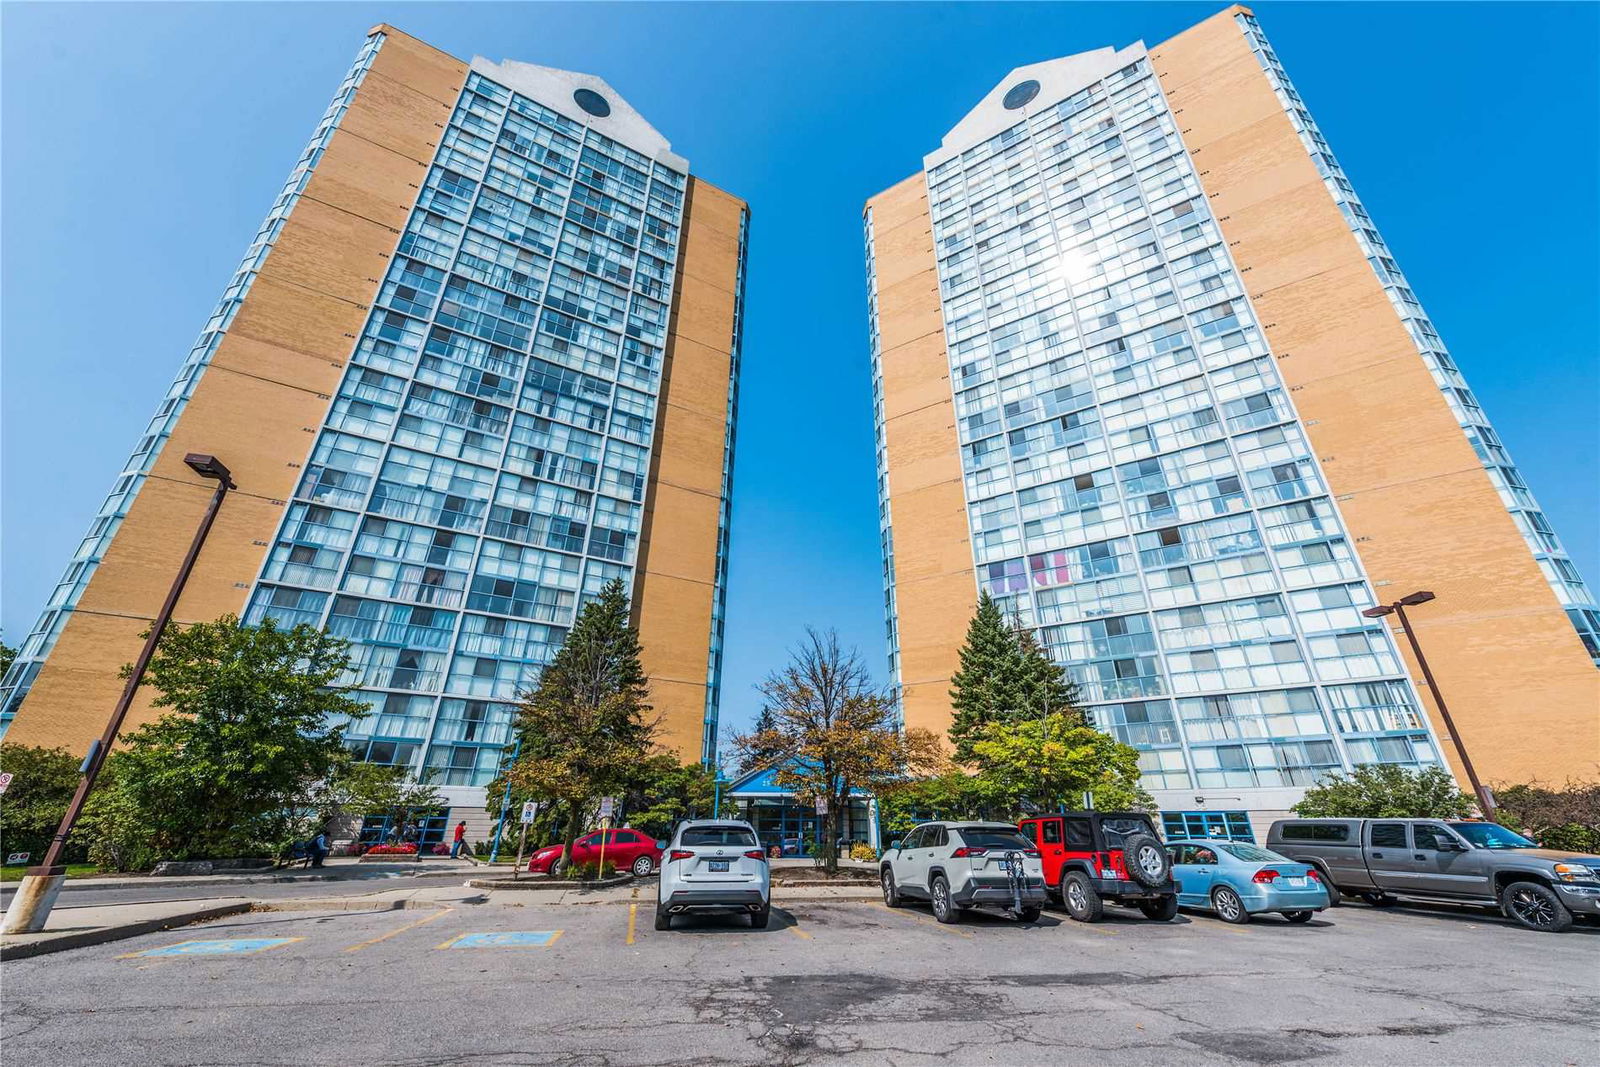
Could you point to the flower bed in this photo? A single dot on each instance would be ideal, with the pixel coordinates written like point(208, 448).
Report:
point(392, 850)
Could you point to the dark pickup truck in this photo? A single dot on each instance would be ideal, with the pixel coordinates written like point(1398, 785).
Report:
point(1469, 862)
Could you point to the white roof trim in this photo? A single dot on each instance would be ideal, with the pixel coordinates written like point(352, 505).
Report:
point(554, 88)
point(1057, 78)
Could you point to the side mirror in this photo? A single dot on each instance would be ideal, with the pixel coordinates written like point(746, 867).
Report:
point(895, 843)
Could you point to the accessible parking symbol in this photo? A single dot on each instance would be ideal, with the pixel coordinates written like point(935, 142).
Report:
point(506, 939)
point(231, 947)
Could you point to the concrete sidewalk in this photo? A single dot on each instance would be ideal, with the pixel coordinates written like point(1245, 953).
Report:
point(77, 927)
point(341, 869)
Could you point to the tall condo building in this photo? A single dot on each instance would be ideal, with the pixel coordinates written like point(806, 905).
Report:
point(481, 358)
point(1144, 370)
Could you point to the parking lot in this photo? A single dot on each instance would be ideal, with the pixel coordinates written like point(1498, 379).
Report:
point(524, 983)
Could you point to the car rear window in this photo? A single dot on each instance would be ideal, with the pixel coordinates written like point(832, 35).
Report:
point(1316, 831)
point(996, 838)
point(718, 835)
point(1250, 853)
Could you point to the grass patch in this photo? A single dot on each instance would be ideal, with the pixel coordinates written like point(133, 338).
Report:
point(14, 872)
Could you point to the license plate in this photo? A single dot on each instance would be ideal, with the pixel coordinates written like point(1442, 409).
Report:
point(1298, 883)
point(722, 865)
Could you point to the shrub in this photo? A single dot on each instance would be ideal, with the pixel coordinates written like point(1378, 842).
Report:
point(863, 852)
point(591, 871)
point(1566, 818)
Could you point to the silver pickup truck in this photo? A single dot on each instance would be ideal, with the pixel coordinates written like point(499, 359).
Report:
point(1380, 860)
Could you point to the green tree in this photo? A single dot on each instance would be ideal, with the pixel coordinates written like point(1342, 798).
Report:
point(1386, 791)
point(254, 723)
point(1042, 683)
point(42, 784)
point(661, 791)
point(1052, 760)
point(953, 794)
point(839, 731)
point(586, 728)
point(987, 686)
point(8, 656)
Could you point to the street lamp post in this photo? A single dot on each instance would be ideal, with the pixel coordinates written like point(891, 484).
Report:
point(1398, 608)
point(36, 894)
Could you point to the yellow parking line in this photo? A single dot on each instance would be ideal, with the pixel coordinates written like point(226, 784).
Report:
point(927, 922)
point(799, 932)
point(400, 930)
point(633, 917)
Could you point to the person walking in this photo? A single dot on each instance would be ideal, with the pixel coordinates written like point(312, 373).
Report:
point(460, 841)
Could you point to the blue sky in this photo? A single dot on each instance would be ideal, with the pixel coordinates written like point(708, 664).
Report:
point(143, 144)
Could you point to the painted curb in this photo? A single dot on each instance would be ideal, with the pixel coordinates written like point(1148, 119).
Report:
point(10, 950)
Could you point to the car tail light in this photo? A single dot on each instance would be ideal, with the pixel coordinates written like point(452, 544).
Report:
point(967, 850)
point(1313, 875)
point(680, 854)
point(1111, 865)
point(756, 854)
point(1266, 877)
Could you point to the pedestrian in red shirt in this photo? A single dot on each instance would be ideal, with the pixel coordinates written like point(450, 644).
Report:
point(461, 840)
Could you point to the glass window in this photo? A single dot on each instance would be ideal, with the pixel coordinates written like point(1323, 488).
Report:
point(1050, 832)
point(1388, 835)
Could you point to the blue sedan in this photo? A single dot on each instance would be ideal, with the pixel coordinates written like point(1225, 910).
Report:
point(1237, 880)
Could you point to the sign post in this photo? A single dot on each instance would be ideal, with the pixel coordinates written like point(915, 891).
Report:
point(530, 810)
point(607, 806)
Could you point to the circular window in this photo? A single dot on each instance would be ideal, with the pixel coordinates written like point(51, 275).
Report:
point(1020, 93)
point(596, 105)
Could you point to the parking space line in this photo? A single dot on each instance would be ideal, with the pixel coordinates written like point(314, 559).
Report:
point(400, 930)
point(633, 919)
point(927, 922)
point(795, 929)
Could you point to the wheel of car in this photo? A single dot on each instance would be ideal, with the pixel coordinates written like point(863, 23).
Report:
point(642, 866)
point(1163, 910)
point(1229, 908)
point(1030, 914)
point(1146, 861)
point(759, 919)
point(1536, 907)
point(1379, 900)
point(943, 908)
point(891, 895)
point(1298, 916)
point(663, 919)
point(1082, 901)
point(558, 867)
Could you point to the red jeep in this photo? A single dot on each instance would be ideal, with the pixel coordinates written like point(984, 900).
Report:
point(1091, 857)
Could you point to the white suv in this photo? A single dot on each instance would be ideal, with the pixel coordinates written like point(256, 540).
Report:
point(714, 865)
point(960, 865)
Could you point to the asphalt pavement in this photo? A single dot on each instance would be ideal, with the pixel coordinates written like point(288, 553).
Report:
point(487, 980)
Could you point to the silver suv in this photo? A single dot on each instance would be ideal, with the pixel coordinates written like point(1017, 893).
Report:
point(714, 865)
point(960, 865)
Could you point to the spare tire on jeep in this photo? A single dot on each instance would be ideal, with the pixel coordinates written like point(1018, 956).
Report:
point(1146, 861)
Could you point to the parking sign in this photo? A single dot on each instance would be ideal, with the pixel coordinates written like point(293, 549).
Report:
point(529, 810)
point(607, 806)
point(5, 781)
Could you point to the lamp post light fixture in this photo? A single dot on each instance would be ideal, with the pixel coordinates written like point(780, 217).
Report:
point(36, 893)
point(1398, 608)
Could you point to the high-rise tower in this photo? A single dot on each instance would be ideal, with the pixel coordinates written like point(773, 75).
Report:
point(481, 358)
point(1145, 370)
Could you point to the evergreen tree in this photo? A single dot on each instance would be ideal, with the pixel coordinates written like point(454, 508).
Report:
point(1045, 687)
point(587, 727)
point(766, 744)
point(990, 684)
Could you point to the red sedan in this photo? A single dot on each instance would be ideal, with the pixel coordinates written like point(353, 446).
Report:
point(627, 849)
